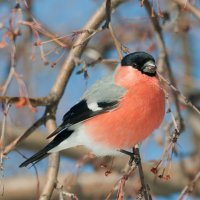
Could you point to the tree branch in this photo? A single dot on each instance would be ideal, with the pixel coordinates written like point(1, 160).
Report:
point(23, 136)
point(164, 60)
point(52, 173)
point(43, 101)
point(188, 189)
point(68, 66)
point(188, 6)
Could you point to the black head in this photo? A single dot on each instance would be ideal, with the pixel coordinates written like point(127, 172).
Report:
point(142, 61)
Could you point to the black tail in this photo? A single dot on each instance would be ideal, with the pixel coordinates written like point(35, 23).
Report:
point(62, 135)
point(37, 157)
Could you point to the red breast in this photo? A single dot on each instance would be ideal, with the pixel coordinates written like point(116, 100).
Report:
point(140, 112)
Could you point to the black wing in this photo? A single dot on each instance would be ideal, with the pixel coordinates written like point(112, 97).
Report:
point(76, 114)
point(81, 112)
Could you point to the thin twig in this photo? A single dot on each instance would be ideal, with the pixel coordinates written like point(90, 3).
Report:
point(12, 69)
point(144, 190)
point(117, 186)
point(108, 25)
point(108, 14)
point(63, 193)
point(7, 82)
point(54, 159)
point(54, 38)
point(36, 173)
point(118, 45)
point(178, 92)
point(189, 7)
point(190, 187)
point(43, 101)
point(22, 137)
point(164, 60)
point(2, 138)
point(170, 111)
point(68, 65)
point(92, 33)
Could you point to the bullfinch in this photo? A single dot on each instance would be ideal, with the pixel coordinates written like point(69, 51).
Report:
point(116, 113)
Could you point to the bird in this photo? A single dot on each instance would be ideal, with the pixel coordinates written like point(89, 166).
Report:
point(115, 113)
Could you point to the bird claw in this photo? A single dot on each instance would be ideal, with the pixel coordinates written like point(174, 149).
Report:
point(133, 157)
point(130, 162)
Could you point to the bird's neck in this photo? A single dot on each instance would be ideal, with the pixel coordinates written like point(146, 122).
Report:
point(128, 76)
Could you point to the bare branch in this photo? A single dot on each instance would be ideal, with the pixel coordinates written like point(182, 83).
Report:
point(178, 92)
point(188, 6)
point(68, 66)
point(53, 167)
point(118, 45)
point(36, 25)
point(144, 190)
point(22, 137)
point(43, 101)
point(164, 60)
point(3, 131)
point(188, 189)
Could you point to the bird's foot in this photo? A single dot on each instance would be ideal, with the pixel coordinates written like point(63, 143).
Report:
point(133, 156)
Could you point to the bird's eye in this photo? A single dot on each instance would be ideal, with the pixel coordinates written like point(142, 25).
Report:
point(135, 65)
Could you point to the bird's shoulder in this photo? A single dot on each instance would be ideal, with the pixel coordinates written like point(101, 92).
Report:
point(104, 90)
point(101, 97)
